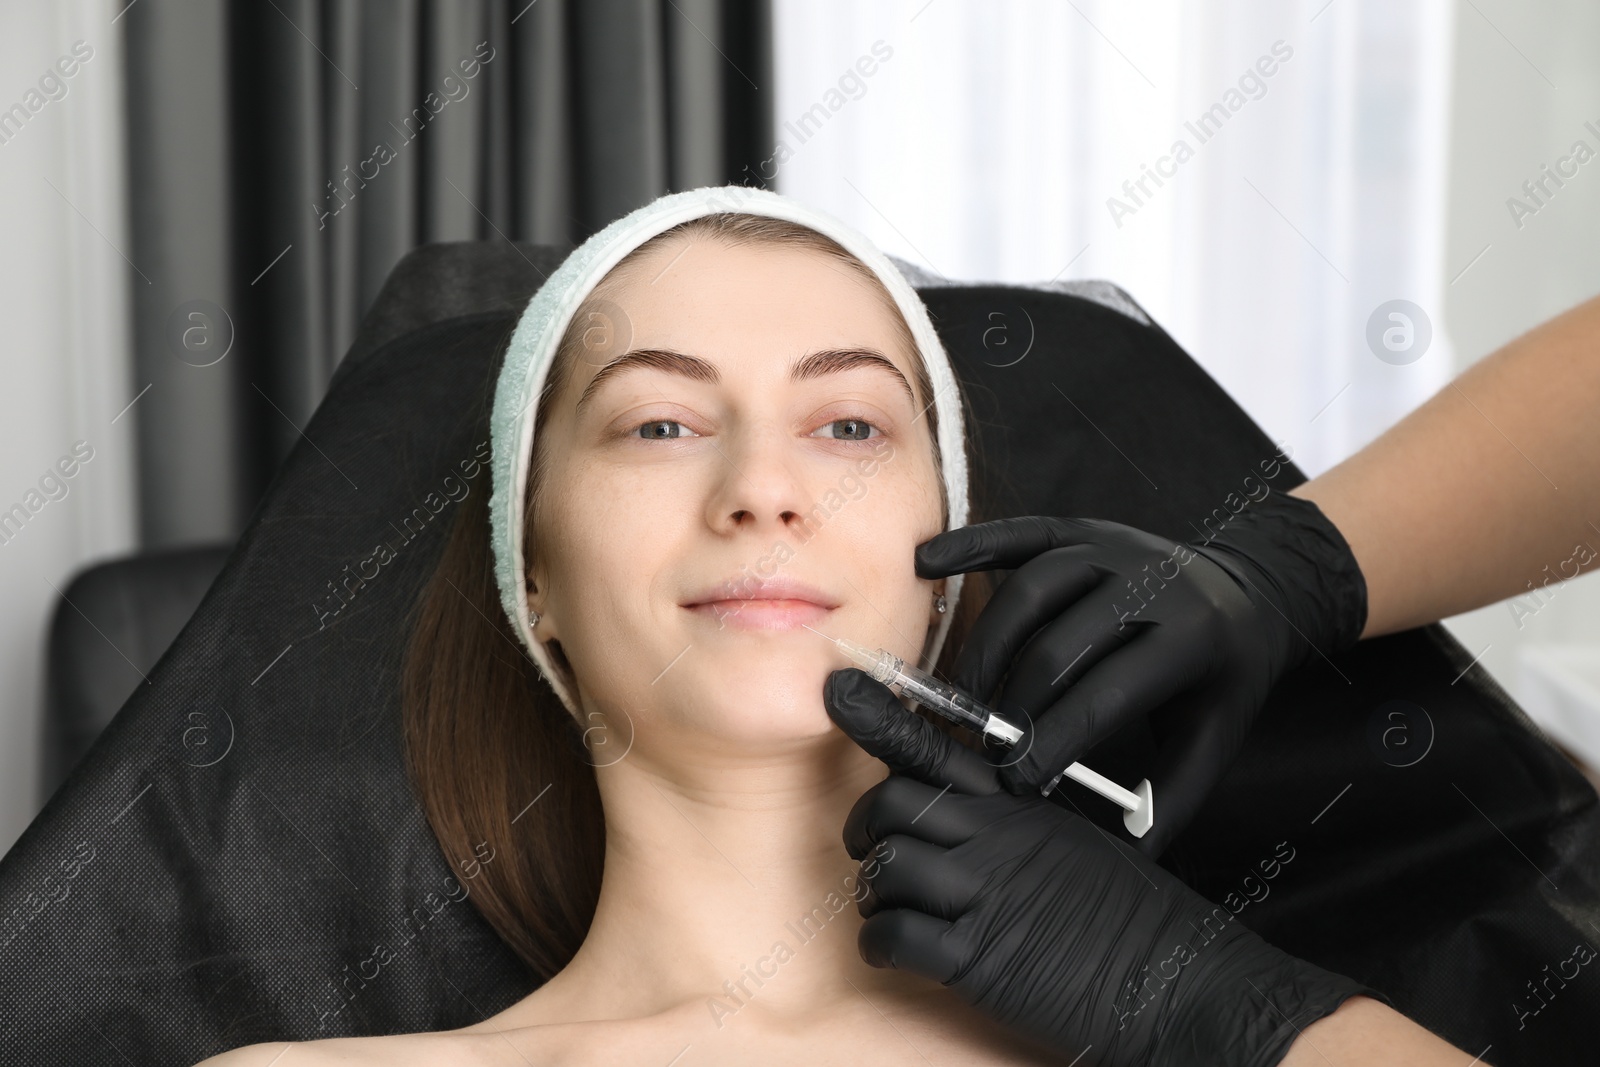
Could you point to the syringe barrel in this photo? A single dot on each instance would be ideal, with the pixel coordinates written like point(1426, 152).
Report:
point(928, 691)
point(889, 669)
point(941, 698)
point(953, 704)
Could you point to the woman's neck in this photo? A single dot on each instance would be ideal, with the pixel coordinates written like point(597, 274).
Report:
point(726, 882)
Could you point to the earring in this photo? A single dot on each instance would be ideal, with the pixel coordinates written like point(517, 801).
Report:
point(939, 603)
point(533, 619)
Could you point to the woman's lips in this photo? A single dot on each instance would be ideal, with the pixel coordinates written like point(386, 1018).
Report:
point(778, 603)
point(761, 614)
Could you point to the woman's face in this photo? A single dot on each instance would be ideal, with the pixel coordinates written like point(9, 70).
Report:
point(736, 456)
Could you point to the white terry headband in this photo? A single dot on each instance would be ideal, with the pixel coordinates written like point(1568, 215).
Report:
point(544, 322)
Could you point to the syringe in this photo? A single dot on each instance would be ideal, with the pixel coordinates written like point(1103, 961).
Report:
point(951, 703)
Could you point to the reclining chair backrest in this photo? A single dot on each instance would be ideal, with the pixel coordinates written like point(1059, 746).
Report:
point(220, 868)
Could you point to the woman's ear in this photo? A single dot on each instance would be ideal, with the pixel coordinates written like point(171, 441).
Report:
point(538, 603)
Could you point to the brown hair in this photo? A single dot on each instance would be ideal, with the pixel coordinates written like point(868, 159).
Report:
point(497, 762)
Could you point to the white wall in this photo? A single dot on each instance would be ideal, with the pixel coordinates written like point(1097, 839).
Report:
point(1525, 84)
point(63, 347)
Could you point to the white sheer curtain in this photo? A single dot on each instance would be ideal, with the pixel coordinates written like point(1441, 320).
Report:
point(986, 141)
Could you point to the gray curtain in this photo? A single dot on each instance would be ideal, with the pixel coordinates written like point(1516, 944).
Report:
point(284, 154)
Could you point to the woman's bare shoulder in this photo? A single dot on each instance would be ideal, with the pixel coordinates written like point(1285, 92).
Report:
point(441, 1049)
point(249, 1055)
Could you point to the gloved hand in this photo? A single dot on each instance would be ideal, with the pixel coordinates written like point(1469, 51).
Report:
point(1123, 624)
point(1047, 924)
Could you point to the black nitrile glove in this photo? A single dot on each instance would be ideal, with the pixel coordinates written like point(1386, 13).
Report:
point(1113, 623)
point(1046, 923)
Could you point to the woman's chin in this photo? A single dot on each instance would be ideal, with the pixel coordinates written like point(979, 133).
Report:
point(758, 701)
point(774, 723)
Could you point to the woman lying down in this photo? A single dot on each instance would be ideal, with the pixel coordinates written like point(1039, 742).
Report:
point(745, 425)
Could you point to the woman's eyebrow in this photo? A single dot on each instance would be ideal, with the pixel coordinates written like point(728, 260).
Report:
point(833, 360)
point(813, 365)
point(658, 358)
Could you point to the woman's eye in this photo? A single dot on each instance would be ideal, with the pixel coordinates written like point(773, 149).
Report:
point(852, 429)
point(662, 430)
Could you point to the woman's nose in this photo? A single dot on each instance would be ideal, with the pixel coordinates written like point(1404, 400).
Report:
point(761, 483)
